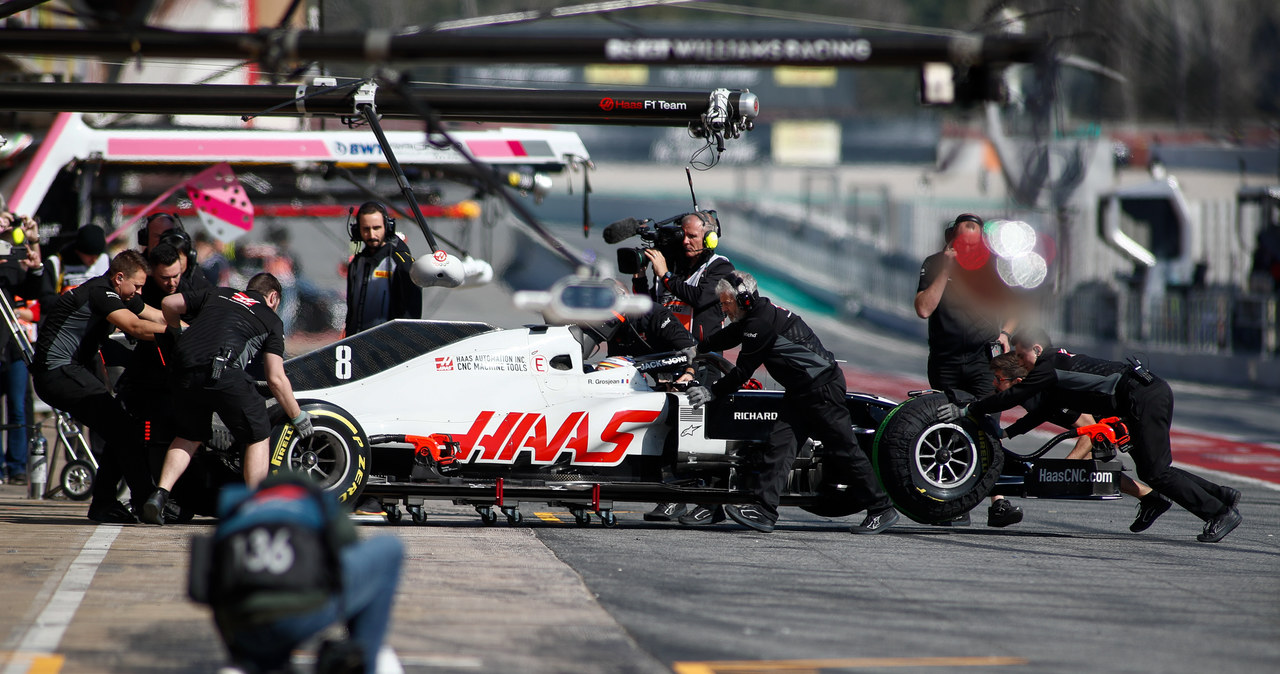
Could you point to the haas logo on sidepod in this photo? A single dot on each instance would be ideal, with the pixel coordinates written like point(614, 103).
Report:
point(517, 432)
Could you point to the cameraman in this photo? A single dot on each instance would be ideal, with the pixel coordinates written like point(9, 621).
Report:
point(19, 276)
point(687, 285)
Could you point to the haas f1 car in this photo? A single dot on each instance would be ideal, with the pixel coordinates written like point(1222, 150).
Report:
point(413, 411)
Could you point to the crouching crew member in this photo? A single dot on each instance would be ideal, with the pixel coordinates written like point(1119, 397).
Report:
point(67, 374)
point(1107, 388)
point(228, 329)
point(813, 405)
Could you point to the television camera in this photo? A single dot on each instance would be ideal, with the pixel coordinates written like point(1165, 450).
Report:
point(13, 236)
point(666, 236)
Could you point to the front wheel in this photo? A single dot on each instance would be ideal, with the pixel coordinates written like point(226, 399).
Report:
point(934, 471)
point(336, 456)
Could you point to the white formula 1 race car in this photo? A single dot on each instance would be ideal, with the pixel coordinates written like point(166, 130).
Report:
point(414, 411)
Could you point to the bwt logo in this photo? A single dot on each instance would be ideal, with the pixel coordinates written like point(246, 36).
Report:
point(357, 149)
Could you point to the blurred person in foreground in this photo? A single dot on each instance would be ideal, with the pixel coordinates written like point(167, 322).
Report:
point(283, 565)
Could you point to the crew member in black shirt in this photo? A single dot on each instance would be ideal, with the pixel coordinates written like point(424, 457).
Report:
point(812, 407)
point(1107, 388)
point(227, 332)
point(687, 285)
point(963, 326)
point(67, 373)
point(379, 288)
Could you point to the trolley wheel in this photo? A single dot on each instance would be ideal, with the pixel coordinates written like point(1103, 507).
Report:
point(393, 514)
point(77, 480)
point(418, 514)
point(487, 515)
point(608, 519)
point(581, 517)
point(513, 515)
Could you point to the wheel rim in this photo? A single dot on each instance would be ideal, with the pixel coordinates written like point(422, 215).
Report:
point(322, 457)
point(79, 480)
point(945, 456)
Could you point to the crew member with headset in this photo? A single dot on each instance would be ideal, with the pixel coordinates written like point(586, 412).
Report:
point(379, 288)
point(167, 228)
point(963, 330)
point(228, 330)
point(688, 285)
point(813, 406)
point(1106, 388)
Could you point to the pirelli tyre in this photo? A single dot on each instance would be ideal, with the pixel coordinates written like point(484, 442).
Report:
point(933, 470)
point(337, 454)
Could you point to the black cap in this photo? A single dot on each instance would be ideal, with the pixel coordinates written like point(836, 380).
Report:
point(90, 240)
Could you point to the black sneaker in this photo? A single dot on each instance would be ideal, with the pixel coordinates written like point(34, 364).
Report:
point(21, 479)
point(876, 521)
point(1219, 526)
point(703, 515)
point(116, 513)
point(1150, 507)
point(961, 521)
point(752, 516)
point(371, 506)
point(153, 509)
point(1002, 513)
point(665, 512)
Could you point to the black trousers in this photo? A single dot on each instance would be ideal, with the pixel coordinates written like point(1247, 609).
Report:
point(1148, 411)
point(76, 391)
point(968, 372)
point(817, 413)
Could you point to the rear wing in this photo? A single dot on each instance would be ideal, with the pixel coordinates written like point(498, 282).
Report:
point(70, 139)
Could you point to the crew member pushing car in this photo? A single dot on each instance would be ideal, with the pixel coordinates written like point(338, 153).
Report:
point(227, 332)
point(1107, 388)
point(812, 407)
point(66, 373)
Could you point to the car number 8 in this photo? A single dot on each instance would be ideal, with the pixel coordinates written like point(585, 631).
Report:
point(342, 361)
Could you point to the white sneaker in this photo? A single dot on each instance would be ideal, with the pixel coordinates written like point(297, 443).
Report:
point(388, 662)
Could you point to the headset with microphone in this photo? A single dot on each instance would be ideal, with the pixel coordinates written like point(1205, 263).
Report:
point(181, 240)
point(746, 298)
point(353, 220)
point(145, 231)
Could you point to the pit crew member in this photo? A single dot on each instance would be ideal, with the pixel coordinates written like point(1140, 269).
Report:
point(228, 330)
point(1008, 370)
point(813, 405)
point(963, 328)
point(378, 285)
point(1130, 391)
point(66, 374)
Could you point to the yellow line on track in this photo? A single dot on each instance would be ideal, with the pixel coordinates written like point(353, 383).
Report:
point(814, 666)
point(547, 517)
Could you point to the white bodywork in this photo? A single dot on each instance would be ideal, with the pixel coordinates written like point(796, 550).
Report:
point(508, 395)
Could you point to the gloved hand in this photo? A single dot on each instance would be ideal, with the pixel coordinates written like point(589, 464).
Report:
point(952, 412)
point(302, 424)
point(699, 396)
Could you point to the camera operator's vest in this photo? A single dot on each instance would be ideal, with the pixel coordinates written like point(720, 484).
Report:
point(683, 312)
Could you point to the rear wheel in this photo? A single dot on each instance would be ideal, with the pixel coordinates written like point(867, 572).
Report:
point(934, 471)
point(336, 456)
